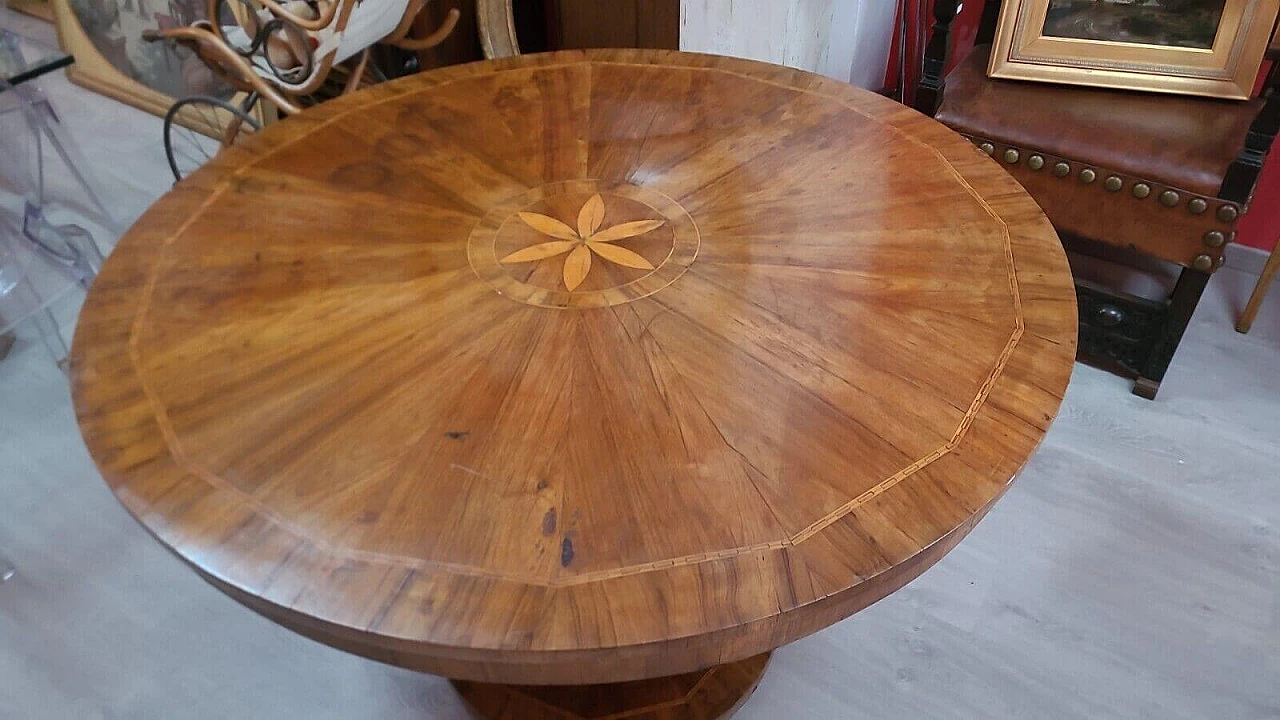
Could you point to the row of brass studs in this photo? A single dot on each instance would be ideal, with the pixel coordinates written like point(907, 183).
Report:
point(1114, 183)
point(1141, 190)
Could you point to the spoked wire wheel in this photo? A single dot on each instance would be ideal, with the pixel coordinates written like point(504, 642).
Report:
point(224, 124)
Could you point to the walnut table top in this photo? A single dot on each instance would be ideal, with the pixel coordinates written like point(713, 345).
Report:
point(577, 368)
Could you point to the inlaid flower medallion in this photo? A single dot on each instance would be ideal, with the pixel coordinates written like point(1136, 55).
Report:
point(583, 244)
point(587, 240)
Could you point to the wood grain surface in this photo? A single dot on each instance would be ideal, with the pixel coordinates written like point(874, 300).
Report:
point(309, 372)
point(709, 694)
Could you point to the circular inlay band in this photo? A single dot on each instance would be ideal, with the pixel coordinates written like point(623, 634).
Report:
point(583, 244)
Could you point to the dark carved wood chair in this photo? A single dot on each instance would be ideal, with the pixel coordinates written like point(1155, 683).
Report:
point(1116, 172)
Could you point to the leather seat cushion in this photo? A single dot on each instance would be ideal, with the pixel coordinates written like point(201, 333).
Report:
point(1182, 141)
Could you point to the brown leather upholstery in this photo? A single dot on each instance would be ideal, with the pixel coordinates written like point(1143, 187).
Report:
point(1160, 143)
point(1185, 142)
point(1118, 217)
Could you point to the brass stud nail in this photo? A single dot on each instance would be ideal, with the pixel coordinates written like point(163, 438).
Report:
point(1228, 213)
point(1061, 169)
point(1197, 206)
point(1011, 156)
point(1141, 190)
point(1203, 263)
point(1113, 183)
point(1035, 162)
point(1088, 175)
point(1215, 239)
point(987, 148)
point(1169, 198)
point(1222, 260)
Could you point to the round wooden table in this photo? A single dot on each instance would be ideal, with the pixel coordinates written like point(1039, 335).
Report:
point(559, 374)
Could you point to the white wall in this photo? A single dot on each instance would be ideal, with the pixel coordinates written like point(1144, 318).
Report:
point(844, 39)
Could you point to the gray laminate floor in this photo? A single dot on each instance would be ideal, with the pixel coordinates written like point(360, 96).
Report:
point(1132, 572)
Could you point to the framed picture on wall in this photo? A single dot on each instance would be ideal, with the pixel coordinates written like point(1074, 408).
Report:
point(1194, 47)
point(105, 36)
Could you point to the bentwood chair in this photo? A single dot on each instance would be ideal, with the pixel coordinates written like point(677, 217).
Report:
point(1116, 172)
point(496, 23)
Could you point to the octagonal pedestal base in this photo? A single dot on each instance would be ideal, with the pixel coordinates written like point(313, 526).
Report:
point(713, 693)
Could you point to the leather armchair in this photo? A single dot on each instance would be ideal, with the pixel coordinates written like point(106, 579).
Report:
point(1166, 176)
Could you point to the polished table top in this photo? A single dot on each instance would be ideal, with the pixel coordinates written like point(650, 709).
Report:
point(577, 368)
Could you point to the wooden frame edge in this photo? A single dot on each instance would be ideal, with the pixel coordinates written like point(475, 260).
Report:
point(1237, 85)
point(93, 72)
point(35, 8)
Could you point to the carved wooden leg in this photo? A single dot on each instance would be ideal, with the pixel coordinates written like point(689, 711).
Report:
point(709, 694)
point(1259, 291)
point(1182, 305)
point(933, 79)
point(1146, 388)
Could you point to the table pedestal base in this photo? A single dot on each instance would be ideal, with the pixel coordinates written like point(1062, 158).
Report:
point(705, 695)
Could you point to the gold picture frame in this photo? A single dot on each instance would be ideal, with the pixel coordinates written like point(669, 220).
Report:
point(1212, 48)
point(94, 71)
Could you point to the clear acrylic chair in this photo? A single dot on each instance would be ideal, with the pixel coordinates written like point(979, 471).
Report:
point(40, 260)
point(27, 101)
point(39, 265)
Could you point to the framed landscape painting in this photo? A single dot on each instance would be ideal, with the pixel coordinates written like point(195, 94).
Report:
point(105, 36)
point(1194, 47)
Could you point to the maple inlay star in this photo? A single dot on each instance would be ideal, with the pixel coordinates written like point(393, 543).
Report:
point(581, 243)
point(616, 243)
